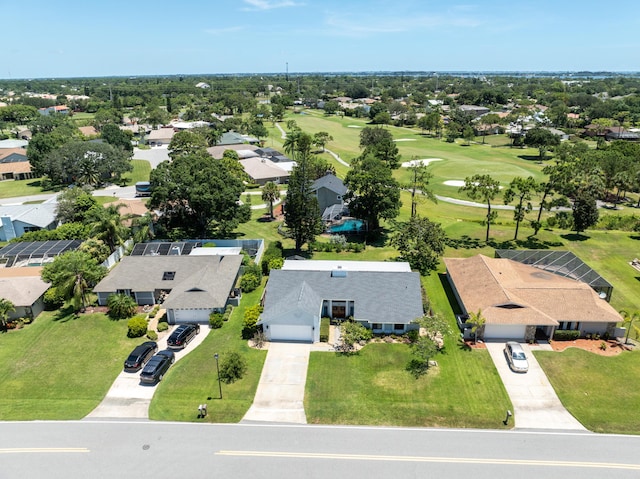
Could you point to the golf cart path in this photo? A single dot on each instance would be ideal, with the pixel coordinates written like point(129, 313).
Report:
point(128, 397)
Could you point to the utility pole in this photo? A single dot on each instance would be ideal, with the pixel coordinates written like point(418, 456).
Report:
point(287, 74)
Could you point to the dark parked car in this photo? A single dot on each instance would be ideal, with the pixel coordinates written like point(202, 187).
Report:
point(157, 366)
point(183, 335)
point(140, 355)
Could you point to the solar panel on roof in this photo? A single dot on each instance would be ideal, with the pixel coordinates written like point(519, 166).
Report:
point(138, 249)
point(164, 248)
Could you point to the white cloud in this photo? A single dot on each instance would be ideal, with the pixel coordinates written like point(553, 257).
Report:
point(270, 4)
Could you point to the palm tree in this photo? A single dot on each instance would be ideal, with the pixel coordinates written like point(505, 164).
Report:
point(270, 193)
point(73, 273)
point(478, 322)
point(108, 226)
point(290, 144)
point(6, 307)
point(629, 319)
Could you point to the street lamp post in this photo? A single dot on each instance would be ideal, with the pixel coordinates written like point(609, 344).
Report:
point(218, 370)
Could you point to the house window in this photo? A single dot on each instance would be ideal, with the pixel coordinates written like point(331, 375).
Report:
point(376, 326)
point(398, 327)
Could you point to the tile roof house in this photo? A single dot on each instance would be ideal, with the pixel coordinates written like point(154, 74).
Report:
point(25, 289)
point(190, 287)
point(16, 220)
point(14, 164)
point(60, 109)
point(518, 300)
point(88, 131)
point(384, 297)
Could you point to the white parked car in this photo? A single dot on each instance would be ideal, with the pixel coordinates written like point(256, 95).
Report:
point(516, 357)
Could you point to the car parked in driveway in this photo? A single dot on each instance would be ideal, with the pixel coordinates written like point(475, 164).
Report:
point(183, 336)
point(157, 366)
point(140, 355)
point(516, 357)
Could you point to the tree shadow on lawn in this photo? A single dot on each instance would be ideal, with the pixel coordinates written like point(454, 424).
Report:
point(530, 243)
point(465, 242)
point(532, 158)
point(66, 313)
point(634, 237)
point(575, 237)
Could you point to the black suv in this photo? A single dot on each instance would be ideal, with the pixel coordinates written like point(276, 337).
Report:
point(157, 367)
point(183, 336)
point(140, 355)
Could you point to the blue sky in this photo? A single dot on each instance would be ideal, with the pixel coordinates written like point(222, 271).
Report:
point(82, 38)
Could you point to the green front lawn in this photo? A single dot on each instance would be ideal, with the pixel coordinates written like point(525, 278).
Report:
point(601, 392)
point(61, 366)
point(141, 172)
point(14, 188)
point(194, 378)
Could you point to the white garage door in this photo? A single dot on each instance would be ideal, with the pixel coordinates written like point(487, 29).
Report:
point(504, 331)
point(282, 332)
point(191, 315)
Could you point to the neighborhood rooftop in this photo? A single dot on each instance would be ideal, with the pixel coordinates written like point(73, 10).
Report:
point(330, 265)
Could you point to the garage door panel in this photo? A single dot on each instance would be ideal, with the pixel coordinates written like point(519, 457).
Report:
point(504, 331)
point(282, 332)
point(191, 315)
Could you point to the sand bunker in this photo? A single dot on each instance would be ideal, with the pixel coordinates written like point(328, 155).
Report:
point(405, 139)
point(354, 126)
point(424, 161)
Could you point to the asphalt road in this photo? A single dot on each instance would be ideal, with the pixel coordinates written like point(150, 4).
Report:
point(163, 450)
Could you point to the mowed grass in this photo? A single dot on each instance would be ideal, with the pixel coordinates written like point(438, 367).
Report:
point(141, 172)
point(193, 379)
point(14, 188)
point(373, 387)
point(60, 366)
point(601, 392)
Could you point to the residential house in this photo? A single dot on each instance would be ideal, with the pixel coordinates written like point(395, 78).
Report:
point(474, 111)
point(330, 191)
point(262, 171)
point(57, 109)
point(520, 301)
point(88, 131)
point(233, 138)
point(243, 150)
point(559, 133)
point(382, 296)
point(25, 289)
point(189, 287)
point(13, 144)
point(16, 220)
point(160, 137)
point(14, 164)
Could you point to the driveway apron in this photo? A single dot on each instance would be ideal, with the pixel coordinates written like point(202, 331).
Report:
point(280, 394)
point(535, 403)
point(128, 398)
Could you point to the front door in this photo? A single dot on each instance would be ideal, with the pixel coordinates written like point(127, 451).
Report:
point(339, 309)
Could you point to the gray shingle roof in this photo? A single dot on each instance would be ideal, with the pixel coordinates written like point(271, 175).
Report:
point(331, 182)
point(199, 281)
point(41, 215)
point(387, 297)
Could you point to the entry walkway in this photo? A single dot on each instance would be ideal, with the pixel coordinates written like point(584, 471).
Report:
point(535, 403)
point(128, 398)
point(280, 394)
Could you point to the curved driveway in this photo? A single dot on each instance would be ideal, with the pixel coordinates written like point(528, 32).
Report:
point(535, 403)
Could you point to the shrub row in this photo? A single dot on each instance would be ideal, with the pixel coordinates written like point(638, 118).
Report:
point(324, 330)
point(336, 247)
point(566, 334)
point(273, 252)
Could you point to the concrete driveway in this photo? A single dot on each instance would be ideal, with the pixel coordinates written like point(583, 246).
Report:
point(280, 394)
point(128, 397)
point(535, 403)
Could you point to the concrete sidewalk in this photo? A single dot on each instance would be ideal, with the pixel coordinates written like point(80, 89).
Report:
point(280, 394)
point(535, 403)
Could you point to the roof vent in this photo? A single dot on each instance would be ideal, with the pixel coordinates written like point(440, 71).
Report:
point(168, 275)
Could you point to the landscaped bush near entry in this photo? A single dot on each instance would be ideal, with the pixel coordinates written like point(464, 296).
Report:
point(566, 335)
point(137, 327)
point(121, 306)
point(232, 368)
point(216, 320)
point(273, 251)
point(162, 326)
point(152, 335)
point(324, 329)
